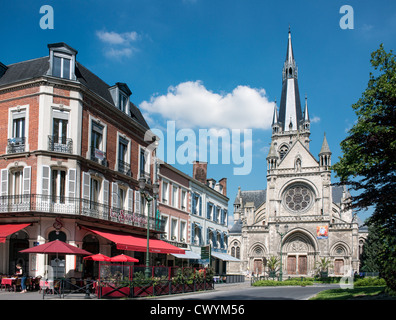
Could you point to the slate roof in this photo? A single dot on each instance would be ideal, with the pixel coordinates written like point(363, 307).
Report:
point(236, 228)
point(258, 197)
point(35, 68)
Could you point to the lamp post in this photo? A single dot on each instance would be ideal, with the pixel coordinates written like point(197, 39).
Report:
point(282, 234)
point(148, 198)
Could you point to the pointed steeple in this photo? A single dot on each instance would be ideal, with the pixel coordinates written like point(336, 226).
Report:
point(275, 116)
point(306, 114)
point(325, 147)
point(290, 106)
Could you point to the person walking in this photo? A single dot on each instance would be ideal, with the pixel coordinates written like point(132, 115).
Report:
point(21, 274)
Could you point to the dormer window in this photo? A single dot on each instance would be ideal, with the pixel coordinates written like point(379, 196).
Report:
point(122, 102)
point(62, 61)
point(61, 67)
point(120, 94)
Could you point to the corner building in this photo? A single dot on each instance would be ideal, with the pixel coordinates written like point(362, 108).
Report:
point(72, 151)
point(300, 215)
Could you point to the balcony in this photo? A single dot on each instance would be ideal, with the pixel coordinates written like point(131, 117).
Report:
point(99, 156)
point(16, 145)
point(124, 167)
point(77, 207)
point(63, 145)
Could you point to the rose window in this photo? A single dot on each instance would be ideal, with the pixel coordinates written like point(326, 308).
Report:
point(298, 198)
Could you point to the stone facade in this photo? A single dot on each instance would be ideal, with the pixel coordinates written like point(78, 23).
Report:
point(300, 217)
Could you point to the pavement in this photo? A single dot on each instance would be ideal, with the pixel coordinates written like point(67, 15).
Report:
point(36, 295)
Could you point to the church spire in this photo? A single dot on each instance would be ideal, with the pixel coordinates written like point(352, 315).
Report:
point(290, 106)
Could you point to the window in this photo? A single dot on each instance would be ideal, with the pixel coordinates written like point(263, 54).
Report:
point(298, 198)
point(183, 231)
point(184, 200)
point(123, 165)
point(175, 197)
point(122, 197)
point(122, 102)
point(174, 229)
point(16, 178)
point(58, 183)
point(95, 190)
point(97, 152)
point(16, 143)
point(61, 67)
point(144, 166)
point(165, 194)
point(283, 150)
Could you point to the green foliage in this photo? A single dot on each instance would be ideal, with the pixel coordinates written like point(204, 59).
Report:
point(273, 263)
point(369, 282)
point(323, 265)
point(274, 283)
point(368, 163)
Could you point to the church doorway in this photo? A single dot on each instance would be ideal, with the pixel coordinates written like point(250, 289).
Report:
point(258, 266)
point(297, 265)
point(338, 267)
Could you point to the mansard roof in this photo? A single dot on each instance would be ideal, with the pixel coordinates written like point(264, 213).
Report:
point(39, 67)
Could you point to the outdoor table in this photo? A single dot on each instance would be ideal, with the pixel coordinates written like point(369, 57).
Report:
point(8, 282)
point(47, 284)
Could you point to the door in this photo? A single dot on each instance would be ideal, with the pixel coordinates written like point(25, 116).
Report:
point(291, 264)
point(258, 266)
point(302, 265)
point(339, 266)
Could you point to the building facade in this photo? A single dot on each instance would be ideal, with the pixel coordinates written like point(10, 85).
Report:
point(72, 152)
point(300, 217)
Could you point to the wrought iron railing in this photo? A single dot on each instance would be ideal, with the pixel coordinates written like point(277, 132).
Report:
point(99, 156)
point(124, 167)
point(63, 145)
point(76, 206)
point(15, 145)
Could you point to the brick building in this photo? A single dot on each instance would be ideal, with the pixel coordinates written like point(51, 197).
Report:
point(71, 154)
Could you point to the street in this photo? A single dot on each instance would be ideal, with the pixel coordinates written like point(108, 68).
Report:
point(243, 291)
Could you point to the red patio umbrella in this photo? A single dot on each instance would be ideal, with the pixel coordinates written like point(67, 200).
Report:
point(123, 258)
point(97, 257)
point(56, 247)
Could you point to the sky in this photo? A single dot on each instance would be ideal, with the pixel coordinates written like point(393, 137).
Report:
point(215, 66)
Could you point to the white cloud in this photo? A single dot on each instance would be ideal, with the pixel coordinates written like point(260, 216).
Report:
point(118, 45)
point(117, 38)
point(315, 119)
point(118, 53)
point(191, 105)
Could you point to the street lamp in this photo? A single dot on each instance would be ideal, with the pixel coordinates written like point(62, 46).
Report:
point(142, 187)
point(282, 234)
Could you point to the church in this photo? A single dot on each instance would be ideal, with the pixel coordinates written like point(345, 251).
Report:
point(299, 218)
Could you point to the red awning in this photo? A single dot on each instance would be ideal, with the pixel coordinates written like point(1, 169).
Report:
point(7, 229)
point(125, 241)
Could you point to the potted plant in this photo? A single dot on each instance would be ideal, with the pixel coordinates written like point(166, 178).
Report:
point(273, 266)
point(322, 266)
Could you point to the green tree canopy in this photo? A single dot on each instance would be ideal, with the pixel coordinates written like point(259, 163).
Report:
point(368, 163)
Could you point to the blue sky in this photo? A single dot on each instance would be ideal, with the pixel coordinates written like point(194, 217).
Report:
point(176, 54)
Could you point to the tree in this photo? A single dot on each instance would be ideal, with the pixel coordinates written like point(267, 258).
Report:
point(372, 248)
point(368, 162)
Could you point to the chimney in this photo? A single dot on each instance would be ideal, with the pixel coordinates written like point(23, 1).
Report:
point(223, 183)
point(200, 171)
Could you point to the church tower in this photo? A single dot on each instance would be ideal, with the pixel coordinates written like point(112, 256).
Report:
point(299, 217)
point(290, 124)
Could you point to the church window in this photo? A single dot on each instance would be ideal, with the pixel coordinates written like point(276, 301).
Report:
point(298, 198)
point(283, 150)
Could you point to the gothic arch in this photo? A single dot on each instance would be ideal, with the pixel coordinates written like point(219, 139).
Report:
point(299, 240)
point(257, 250)
point(340, 248)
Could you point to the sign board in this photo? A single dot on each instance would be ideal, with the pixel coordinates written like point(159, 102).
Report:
point(322, 232)
point(205, 252)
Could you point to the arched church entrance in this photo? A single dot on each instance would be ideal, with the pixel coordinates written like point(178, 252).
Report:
point(299, 254)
